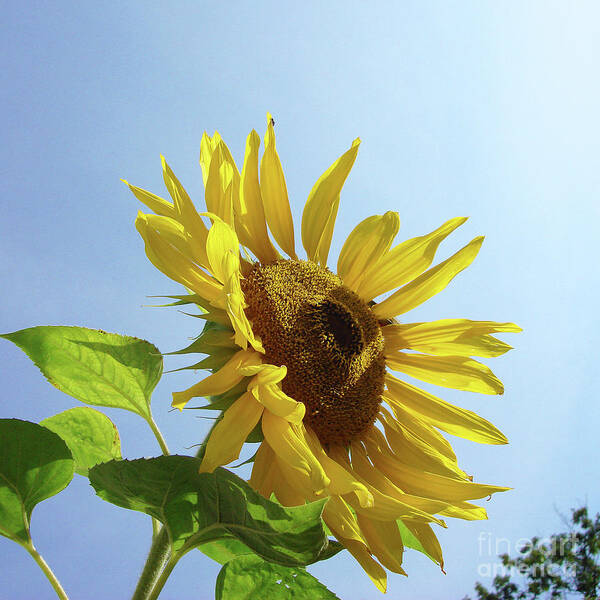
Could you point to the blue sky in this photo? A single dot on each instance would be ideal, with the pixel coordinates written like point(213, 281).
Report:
point(484, 109)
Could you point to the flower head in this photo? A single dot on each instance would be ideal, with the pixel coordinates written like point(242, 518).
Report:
point(307, 353)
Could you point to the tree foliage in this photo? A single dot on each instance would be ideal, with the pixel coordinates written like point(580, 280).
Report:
point(567, 565)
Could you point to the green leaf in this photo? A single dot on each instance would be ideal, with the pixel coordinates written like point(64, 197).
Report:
point(331, 550)
point(197, 508)
point(35, 464)
point(224, 549)
point(90, 435)
point(250, 578)
point(97, 368)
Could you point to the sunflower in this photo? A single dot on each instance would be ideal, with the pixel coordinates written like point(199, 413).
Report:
point(304, 355)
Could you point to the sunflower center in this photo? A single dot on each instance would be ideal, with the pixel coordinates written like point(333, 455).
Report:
point(328, 339)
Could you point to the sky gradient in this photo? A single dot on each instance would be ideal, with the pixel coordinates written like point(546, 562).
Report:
point(481, 109)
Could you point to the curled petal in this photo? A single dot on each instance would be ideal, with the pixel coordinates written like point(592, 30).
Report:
point(279, 403)
point(342, 480)
point(289, 445)
point(230, 433)
point(385, 541)
point(224, 379)
point(174, 263)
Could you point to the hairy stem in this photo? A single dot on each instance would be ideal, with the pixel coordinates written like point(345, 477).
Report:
point(160, 553)
point(160, 563)
point(160, 583)
point(158, 435)
point(39, 559)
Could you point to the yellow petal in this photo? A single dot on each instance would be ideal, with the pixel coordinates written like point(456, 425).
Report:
point(288, 495)
point(415, 451)
point(222, 249)
point(366, 244)
point(207, 147)
point(171, 231)
point(383, 487)
point(322, 204)
point(186, 214)
point(384, 541)
point(287, 442)
point(339, 517)
point(264, 471)
point(447, 371)
point(250, 220)
point(265, 374)
point(371, 567)
point(342, 480)
point(449, 337)
point(344, 526)
point(159, 205)
point(218, 192)
point(428, 284)
point(230, 433)
point(219, 382)
point(222, 241)
point(404, 262)
point(235, 305)
point(389, 508)
point(429, 485)
point(466, 511)
point(430, 543)
point(299, 482)
point(174, 264)
point(228, 157)
point(447, 417)
point(279, 403)
point(274, 195)
point(419, 426)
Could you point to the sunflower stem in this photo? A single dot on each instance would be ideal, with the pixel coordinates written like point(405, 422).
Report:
point(39, 559)
point(158, 435)
point(160, 563)
point(160, 583)
point(160, 553)
point(155, 528)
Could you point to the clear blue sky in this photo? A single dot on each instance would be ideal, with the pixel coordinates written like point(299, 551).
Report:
point(487, 109)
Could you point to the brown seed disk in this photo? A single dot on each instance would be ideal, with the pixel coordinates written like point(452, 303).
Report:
point(328, 339)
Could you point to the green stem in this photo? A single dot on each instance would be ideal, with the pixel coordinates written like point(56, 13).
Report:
point(60, 592)
point(160, 563)
point(160, 582)
point(155, 528)
point(160, 553)
point(158, 435)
